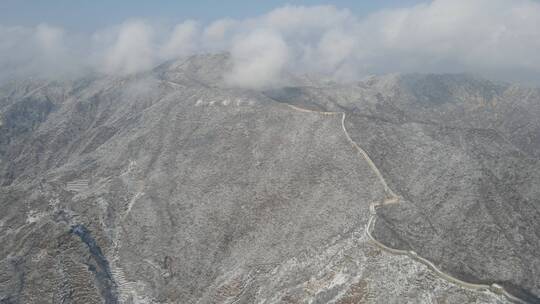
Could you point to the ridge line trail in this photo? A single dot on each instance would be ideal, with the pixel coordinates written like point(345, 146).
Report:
point(392, 198)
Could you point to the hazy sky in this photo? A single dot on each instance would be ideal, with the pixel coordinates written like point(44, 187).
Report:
point(89, 15)
point(344, 41)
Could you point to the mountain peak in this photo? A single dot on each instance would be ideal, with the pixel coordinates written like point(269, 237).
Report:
point(205, 69)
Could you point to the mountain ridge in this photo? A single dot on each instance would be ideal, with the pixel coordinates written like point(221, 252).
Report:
point(197, 192)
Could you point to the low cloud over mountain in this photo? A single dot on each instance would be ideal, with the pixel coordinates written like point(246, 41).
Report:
point(495, 38)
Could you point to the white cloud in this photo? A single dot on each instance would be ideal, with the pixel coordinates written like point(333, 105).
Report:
point(133, 51)
point(41, 51)
point(182, 42)
point(494, 37)
point(216, 35)
point(49, 38)
point(473, 35)
point(258, 59)
point(306, 21)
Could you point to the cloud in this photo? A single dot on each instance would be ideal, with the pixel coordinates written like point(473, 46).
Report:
point(499, 38)
point(217, 34)
point(492, 37)
point(132, 51)
point(40, 52)
point(474, 35)
point(50, 38)
point(258, 59)
point(182, 41)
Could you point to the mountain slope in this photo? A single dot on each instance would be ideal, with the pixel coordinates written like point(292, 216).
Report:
point(167, 187)
point(462, 153)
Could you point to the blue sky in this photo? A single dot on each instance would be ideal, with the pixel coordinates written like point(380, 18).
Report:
point(90, 15)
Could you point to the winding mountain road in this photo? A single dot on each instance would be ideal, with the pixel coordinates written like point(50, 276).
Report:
point(392, 198)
